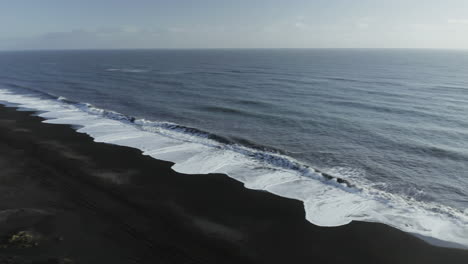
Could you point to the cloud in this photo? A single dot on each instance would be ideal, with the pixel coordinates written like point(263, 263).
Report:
point(124, 37)
point(423, 27)
point(118, 37)
point(362, 26)
point(458, 21)
point(131, 29)
point(364, 23)
point(300, 22)
point(176, 29)
point(72, 39)
point(300, 25)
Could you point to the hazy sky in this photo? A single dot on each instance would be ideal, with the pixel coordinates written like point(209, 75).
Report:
point(85, 24)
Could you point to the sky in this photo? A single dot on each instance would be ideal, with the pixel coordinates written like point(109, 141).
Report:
point(126, 24)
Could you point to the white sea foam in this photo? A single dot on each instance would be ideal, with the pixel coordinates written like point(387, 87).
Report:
point(327, 202)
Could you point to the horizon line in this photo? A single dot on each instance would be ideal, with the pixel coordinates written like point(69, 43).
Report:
point(317, 48)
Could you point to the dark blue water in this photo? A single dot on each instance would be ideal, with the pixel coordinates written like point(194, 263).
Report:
point(395, 120)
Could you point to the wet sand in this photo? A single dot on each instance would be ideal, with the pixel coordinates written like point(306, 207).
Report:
point(67, 199)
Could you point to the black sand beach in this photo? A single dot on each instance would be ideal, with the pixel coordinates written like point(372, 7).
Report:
point(78, 201)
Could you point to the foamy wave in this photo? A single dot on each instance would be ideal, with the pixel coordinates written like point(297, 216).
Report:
point(328, 200)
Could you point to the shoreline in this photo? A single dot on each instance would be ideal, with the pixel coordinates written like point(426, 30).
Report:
point(94, 202)
point(212, 155)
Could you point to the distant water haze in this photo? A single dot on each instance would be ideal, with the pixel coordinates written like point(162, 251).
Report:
point(371, 135)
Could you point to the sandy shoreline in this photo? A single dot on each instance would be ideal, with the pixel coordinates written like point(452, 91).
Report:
point(86, 202)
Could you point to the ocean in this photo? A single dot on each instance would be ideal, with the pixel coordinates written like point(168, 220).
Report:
point(356, 134)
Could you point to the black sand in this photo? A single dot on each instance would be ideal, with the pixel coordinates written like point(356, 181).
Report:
point(85, 202)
